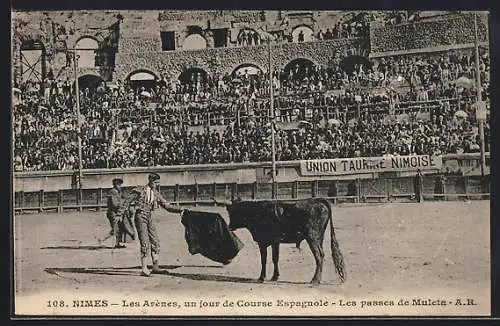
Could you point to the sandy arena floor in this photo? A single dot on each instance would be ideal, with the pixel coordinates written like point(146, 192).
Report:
point(393, 253)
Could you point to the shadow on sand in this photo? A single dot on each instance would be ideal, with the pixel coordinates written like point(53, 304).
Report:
point(213, 278)
point(100, 247)
point(135, 271)
point(233, 279)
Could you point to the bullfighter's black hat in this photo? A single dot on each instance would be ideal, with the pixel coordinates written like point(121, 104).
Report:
point(117, 181)
point(153, 177)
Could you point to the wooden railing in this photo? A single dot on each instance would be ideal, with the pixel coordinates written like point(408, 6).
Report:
point(340, 191)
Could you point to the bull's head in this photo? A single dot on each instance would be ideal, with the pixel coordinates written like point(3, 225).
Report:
point(237, 216)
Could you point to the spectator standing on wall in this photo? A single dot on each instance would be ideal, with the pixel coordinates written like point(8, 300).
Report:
point(256, 39)
point(328, 35)
point(332, 190)
point(418, 183)
point(301, 37)
point(320, 35)
point(439, 185)
point(352, 189)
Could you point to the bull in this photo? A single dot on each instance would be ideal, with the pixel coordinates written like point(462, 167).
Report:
point(273, 222)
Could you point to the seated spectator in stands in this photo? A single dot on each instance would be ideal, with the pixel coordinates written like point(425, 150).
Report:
point(300, 95)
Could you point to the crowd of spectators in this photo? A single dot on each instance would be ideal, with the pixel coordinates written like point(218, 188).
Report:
point(456, 30)
point(357, 26)
point(249, 37)
point(345, 30)
point(369, 109)
point(375, 136)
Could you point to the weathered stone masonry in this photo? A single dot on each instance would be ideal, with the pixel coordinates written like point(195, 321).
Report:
point(225, 60)
point(428, 34)
point(139, 44)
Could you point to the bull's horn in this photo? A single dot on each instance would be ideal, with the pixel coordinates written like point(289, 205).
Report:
point(223, 202)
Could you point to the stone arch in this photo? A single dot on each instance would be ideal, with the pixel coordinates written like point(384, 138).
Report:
point(353, 62)
point(86, 48)
point(304, 31)
point(89, 80)
point(142, 78)
point(252, 69)
point(86, 33)
point(142, 74)
point(69, 74)
point(193, 74)
point(195, 41)
point(248, 36)
point(300, 66)
point(358, 50)
point(87, 39)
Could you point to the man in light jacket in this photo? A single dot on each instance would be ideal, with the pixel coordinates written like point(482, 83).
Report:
point(143, 199)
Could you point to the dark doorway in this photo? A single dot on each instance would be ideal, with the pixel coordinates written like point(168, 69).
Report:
point(89, 81)
point(192, 75)
point(220, 37)
point(300, 67)
point(193, 29)
point(167, 41)
point(352, 62)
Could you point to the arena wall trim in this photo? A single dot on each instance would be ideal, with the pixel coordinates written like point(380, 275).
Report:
point(288, 171)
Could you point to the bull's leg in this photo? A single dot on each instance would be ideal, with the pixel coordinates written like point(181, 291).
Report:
point(263, 261)
point(317, 250)
point(276, 258)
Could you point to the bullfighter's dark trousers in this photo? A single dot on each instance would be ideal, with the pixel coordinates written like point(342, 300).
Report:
point(146, 230)
point(114, 220)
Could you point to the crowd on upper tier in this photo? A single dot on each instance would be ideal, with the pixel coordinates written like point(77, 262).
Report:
point(392, 106)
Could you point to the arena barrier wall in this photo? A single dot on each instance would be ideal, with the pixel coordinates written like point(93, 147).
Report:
point(204, 184)
point(240, 173)
point(347, 191)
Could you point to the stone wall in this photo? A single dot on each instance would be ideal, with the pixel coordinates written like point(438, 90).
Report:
point(237, 16)
point(58, 31)
point(225, 60)
point(241, 173)
point(139, 45)
point(457, 29)
point(139, 34)
point(137, 26)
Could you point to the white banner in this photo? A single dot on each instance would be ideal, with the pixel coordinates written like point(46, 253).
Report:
point(359, 165)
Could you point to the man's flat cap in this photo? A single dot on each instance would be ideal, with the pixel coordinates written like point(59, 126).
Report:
point(117, 181)
point(153, 177)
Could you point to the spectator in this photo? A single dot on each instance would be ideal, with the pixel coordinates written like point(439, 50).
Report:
point(439, 187)
point(120, 125)
point(301, 36)
point(332, 190)
point(418, 183)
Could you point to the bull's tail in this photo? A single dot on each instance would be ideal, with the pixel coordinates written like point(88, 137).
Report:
point(338, 259)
